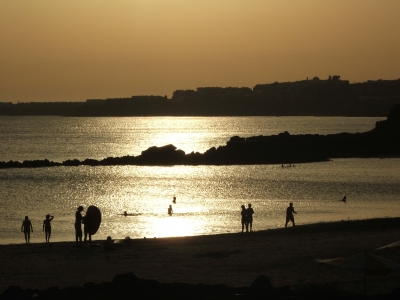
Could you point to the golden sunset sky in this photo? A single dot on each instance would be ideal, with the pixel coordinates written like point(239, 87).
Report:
point(70, 50)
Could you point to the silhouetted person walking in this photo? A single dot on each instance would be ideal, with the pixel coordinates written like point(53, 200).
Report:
point(78, 226)
point(249, 217)
point(26, 228)
point(47, 227)
point(244, 217)
point(289, 214)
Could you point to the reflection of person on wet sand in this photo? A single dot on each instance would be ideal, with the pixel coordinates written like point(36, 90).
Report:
point(170, 210)
point(244, 217)
point(78, 226)
point(47, 227)
point(289, 214)
point(26, 228)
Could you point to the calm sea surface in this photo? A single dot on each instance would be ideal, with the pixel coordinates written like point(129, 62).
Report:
point(208, 197)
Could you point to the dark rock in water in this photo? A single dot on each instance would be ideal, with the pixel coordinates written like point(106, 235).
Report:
point(284, 148)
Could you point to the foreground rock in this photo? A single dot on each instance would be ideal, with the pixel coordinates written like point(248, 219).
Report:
point(382, 141)
point(129, 286)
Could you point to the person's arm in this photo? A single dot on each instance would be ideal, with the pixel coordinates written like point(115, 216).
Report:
point(43, 224)
point(22, 227)
point(30, 223)
point(51, 218)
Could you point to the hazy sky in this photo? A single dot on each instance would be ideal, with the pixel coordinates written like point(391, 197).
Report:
point(70, 50)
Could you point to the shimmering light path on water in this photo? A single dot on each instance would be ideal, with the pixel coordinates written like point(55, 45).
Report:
point(208, 197)
point(59, 139)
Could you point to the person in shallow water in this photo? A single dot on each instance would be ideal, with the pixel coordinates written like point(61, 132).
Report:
point(289, 214)
point(244, 217)
point(26, 228)
point(249, 217)
point(47, 227)
point(170, 210)
point(78, 226)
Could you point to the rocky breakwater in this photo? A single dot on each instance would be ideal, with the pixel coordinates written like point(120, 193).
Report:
point(284, 148)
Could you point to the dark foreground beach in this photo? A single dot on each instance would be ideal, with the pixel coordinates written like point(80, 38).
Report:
point(285, 256)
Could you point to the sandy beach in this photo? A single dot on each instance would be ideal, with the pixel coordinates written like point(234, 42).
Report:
point(285, 256)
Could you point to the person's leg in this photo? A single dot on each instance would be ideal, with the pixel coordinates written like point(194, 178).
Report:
point(48, 237)
point(26, 237)
point(251, 226)
point(29, 236)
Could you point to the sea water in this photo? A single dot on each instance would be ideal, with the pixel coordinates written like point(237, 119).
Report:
point(208, 197)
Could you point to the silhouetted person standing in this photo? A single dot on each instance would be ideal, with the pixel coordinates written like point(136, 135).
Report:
point(26, 228)
point(47, 227)
point(78, 226)
point(289, 214)
point(249, 217)
point(170, 210)
point(244, 217)
point(174, 200)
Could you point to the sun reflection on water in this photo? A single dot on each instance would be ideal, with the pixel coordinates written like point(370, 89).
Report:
point(174, 225)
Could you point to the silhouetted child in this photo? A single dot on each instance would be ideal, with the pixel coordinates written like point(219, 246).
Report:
point(26, 228)
point(78, 225)
point(289, 214)
point(249, 217)
point(244, 217)
point(170, 210)
point(47, 227)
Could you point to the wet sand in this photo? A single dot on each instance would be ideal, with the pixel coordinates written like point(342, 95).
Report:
point(285, 256)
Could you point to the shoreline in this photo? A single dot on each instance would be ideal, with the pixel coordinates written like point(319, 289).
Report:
point(285, 256)
point(316, 226)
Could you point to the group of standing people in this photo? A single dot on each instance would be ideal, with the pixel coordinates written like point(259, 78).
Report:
point(27, 228)
point(247, 217)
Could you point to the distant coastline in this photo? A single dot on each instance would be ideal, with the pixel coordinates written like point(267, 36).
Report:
point(310, 97)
